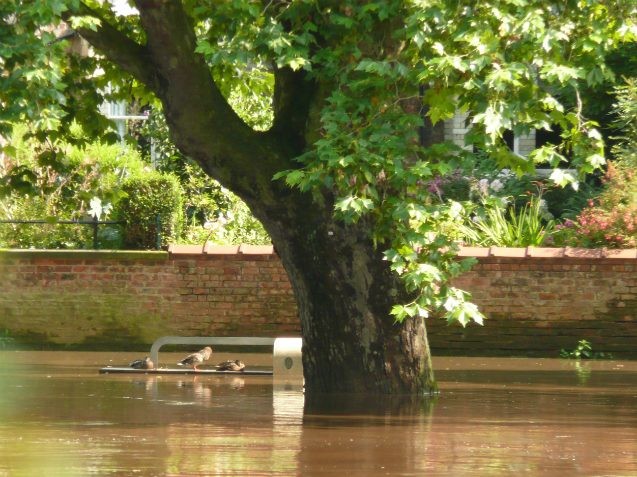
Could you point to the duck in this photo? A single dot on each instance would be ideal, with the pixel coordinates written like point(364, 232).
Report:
point(196, 358)
point(145, 363)
point(231, 365)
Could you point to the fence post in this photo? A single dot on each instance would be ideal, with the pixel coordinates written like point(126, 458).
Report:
point(94, 225)
point(158, 231)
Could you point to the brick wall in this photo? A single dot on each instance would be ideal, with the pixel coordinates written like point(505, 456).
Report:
point(537, 300)
point(128, 299)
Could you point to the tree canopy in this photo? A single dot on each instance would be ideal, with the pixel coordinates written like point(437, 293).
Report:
point(360, 88)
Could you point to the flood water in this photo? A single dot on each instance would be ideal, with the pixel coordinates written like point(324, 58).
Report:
point(494, 417)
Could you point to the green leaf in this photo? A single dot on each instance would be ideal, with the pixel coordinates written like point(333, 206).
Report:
point(596, 160)
point(399, 312)
point(297, 63)
point(562, 177)
point(88, 22)
point(561, 73)
point(295, 177)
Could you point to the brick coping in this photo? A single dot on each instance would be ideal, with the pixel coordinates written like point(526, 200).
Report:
point(217, 250)
point(548, 252)
point(211, 249)
point(83, 254)
point(478, 252)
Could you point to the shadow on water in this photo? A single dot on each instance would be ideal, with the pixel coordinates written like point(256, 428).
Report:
point(365, 435)
point(364, 409)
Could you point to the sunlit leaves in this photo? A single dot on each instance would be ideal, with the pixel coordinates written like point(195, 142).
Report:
point(83, 21)
point(560, 74)
point(505, 64)
point(46, 83)
point(30, 71)
point(562, 177)
point(350, 208)
point(512, 59)
point(461, 310)
point(442, 103)
point(493, 119)
point(244, 35)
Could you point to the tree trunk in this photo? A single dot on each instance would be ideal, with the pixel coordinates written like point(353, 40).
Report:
point(344, 291)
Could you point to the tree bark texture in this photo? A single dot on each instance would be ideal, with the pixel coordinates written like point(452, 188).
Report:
point(344, 291)
point(344, 288)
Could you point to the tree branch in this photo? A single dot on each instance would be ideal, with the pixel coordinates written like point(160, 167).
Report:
point(202, 123)
point(117, 47)
point(293, 96)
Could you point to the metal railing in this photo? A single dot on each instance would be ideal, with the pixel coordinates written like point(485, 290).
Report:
point(93, 223)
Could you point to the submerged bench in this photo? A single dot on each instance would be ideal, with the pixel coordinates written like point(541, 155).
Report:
point(286, 355)
point(207, 341)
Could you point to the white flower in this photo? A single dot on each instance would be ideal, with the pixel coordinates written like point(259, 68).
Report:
point(106, 209)
point(222, 220)
point(496, 185)
point(483, 186)
point(544, 210)
point(97, 208)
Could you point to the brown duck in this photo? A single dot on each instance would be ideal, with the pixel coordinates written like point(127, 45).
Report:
point(196, 358)
point(145, 363)
point(231, 365)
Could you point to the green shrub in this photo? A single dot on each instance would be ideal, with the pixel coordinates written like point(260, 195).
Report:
point(49, 235)
point(584, 350)
point(625, 109)
point(57, 182)
point(566, 203)
point(502, 225)
point(610, 219)
point(211, 212)
point(151, 211)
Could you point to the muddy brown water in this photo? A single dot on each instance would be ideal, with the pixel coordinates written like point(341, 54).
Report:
point(494, 417)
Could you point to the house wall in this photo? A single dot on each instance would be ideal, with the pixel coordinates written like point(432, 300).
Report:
point(537, 300)
point(455, 130)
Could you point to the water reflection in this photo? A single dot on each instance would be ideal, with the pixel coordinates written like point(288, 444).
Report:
point(493, 418)
point(356, 435)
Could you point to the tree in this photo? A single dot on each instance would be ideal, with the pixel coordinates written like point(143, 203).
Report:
point(364, 247)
